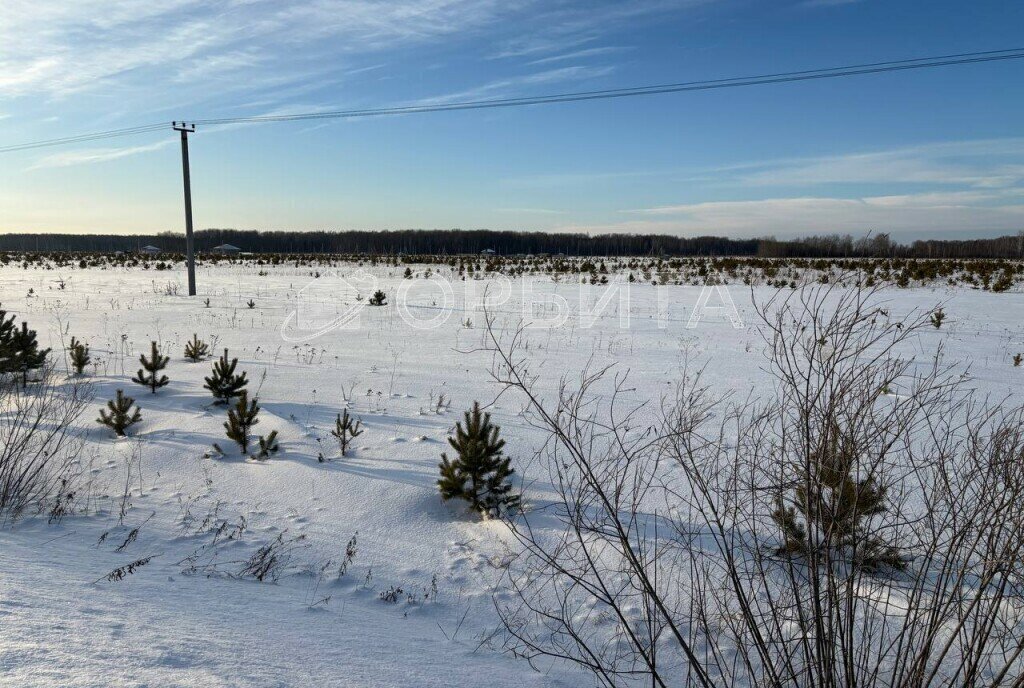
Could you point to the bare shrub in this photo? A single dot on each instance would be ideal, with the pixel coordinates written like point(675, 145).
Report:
point(672, 564)
point(39, 442)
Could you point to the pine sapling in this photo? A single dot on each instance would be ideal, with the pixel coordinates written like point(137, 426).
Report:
point(26, 352)
point(224, 384)
point(147, 375)
point(835, 505)
point(240, 420)
point(196, 350)
point(121, 415)
point(268, 445)
point(345, 430)
point(479, 473)
point(79, 353)
point(379, 298)
point(8, 331)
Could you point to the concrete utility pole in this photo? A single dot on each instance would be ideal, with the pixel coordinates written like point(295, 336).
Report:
point(190, 254)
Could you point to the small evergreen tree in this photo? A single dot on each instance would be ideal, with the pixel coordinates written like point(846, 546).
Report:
point(8, 330)
point(79, 355)
point(240, 420)
point(835, 505)
point(27, 354)
point(379, 298)
point(196, 350)
point(147, 375)
point(121, 415)
point(223, 383)
point(479, 473)
point(268, 445)
point(345, 430)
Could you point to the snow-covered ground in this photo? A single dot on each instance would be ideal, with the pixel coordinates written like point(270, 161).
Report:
point(178, 621)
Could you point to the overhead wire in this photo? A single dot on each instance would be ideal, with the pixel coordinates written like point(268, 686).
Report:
point(572, 96)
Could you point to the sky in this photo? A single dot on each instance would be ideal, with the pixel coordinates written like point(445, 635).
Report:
point(927, 153)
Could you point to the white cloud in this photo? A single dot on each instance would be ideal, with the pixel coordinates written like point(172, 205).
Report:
point(556, 27)
point(513, 85)
point(926, 213)
point(827, 3)
point(983, 163)
point(93, 155)
point(578, 54)
point(531, 211)
point(65, 46)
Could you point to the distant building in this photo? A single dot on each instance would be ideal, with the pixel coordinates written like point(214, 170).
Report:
point(150, 250)
point(487, 252)
point(227, 249)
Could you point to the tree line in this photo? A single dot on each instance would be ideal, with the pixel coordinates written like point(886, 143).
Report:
point(461, 242)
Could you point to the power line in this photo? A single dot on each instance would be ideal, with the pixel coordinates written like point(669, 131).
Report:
point(575, 96)
point(734, 82)
point(84, 137)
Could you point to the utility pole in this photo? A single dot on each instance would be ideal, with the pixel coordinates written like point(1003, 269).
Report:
point(190, 255)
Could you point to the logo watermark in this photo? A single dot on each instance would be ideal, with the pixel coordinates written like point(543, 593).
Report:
point(337, 302)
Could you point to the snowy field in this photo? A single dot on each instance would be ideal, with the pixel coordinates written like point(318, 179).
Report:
point(408, 370)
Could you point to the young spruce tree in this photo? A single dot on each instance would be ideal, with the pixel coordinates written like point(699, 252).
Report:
point(240, 420)
point(121, 415)
point(223, 383)
point(196, 350)
point(147, 375)
point(479, 473)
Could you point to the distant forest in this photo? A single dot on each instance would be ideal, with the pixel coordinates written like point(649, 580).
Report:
point(461, 242)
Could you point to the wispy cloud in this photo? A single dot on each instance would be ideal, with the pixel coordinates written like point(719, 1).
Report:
point(580, 54)
point(94, 155)
point(66, 46)
point(531, 211)
point(933, 212)
point(514, 85)
point(827, 3)
point(975, 163)
point(557, 27)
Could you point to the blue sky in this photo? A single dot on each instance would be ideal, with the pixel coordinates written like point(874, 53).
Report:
point(935, 153)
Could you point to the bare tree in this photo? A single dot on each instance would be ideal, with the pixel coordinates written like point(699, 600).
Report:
point(39, 441)
point(862, 525)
